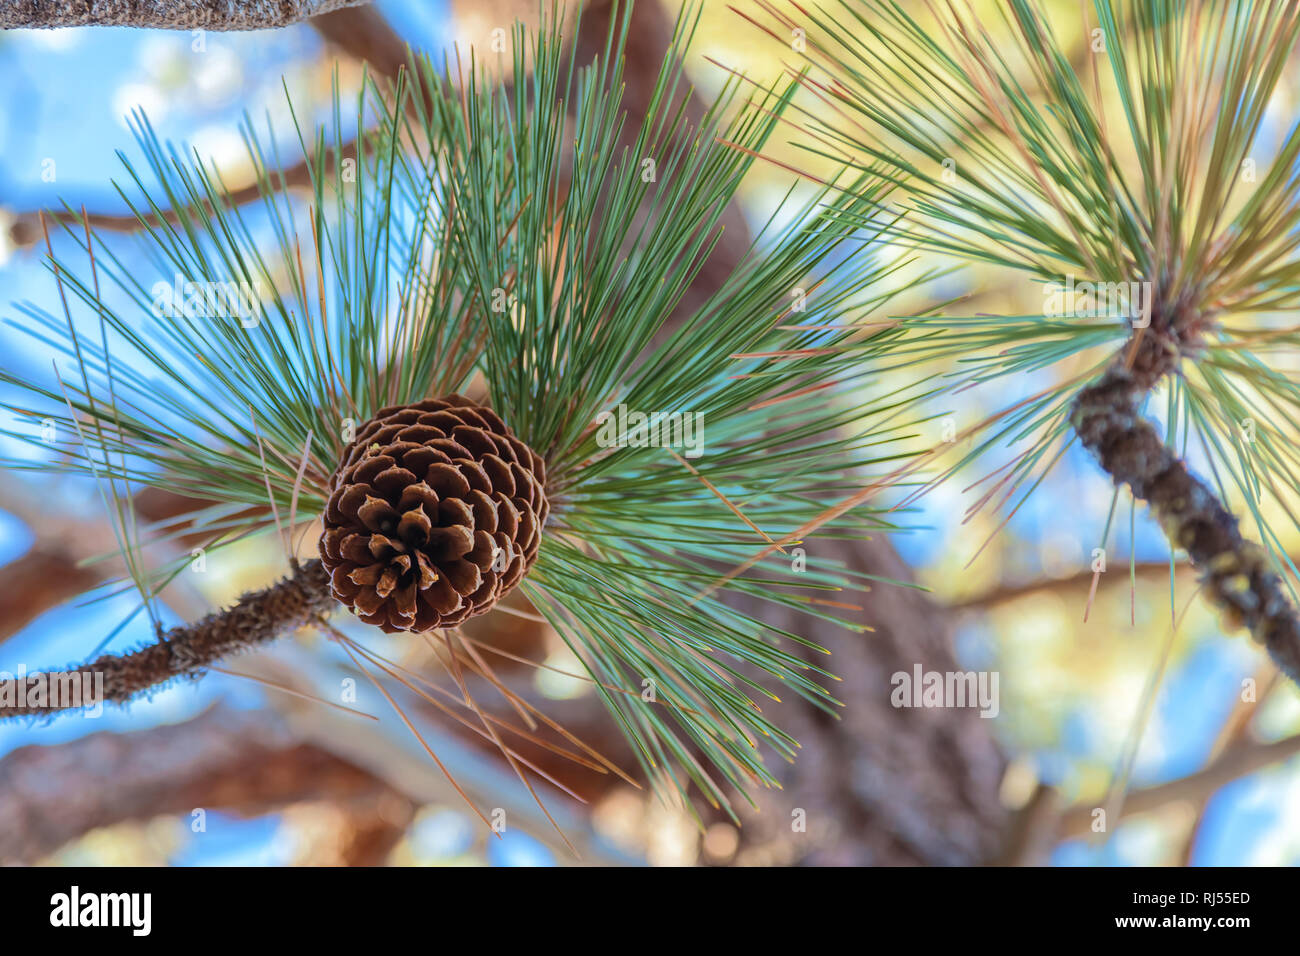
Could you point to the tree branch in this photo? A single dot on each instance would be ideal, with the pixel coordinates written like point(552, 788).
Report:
point(25, 229)
point(1234, 732)
point(257, 618)
point(45, 577)
point(242, 762)
point(1032, 831)
point(1235, 572)
point(1143, 571)
point(165, 14)
point(68, 557)
point(364, 34)
point(1236, 763)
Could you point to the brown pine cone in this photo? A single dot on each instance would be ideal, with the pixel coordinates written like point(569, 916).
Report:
point(435, 512)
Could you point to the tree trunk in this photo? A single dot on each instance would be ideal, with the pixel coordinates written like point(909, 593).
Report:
point(882, 785)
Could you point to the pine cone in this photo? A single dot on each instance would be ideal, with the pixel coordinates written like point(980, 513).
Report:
point(435, 512)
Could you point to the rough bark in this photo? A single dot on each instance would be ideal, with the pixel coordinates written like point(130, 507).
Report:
point(1235, 572)
point(165, 14)
point(189, 649)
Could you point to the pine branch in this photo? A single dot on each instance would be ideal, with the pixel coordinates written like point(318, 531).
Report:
point(1107, 418)
point(258, 412)
point(165, 14)
point(258, 618)
point(1008, 156)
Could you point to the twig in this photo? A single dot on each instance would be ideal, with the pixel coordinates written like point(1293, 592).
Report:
point(258, 618)
point(25, 228)
point(1145, 571)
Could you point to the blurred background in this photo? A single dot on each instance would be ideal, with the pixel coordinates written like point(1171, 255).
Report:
point(1190, 724)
